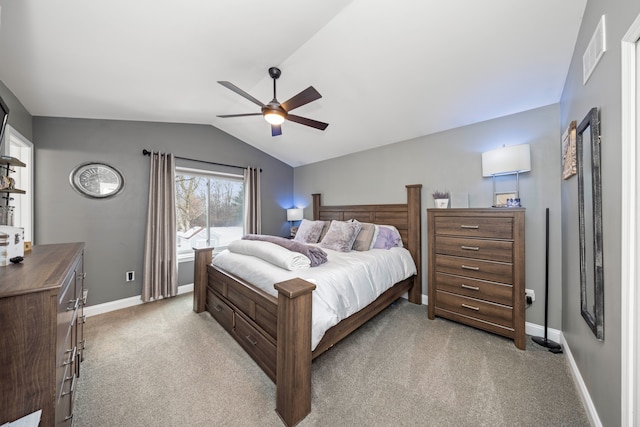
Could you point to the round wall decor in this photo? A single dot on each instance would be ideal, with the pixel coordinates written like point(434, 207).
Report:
point(96, 180)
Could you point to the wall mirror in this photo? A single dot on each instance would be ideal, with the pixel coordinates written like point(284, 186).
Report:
point(590, 222)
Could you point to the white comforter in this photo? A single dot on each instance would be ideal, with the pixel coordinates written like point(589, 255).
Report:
point(348, 282)
point(272, 253)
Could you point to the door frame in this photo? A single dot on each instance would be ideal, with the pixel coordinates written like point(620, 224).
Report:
point(630, 238)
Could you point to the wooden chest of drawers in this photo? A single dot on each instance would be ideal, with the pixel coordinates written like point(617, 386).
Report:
point(41, 345)
point(477, 269)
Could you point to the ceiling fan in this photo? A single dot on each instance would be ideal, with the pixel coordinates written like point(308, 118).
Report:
point(275, 112)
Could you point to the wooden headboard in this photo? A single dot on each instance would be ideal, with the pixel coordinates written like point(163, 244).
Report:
point(405, 217)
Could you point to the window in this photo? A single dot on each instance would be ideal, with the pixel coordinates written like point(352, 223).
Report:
point(22, 149)
point(209, 210)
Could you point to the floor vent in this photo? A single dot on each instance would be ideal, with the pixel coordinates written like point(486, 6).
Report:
point(595, 50)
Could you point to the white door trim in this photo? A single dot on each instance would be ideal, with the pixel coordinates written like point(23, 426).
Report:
point(630, 298)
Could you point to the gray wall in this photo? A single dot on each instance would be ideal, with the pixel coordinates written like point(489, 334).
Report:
point(19, 117)
point(599, 362)
point(451, 160)
point(113, 229)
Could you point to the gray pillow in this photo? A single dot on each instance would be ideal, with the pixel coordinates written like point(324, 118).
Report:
point(309, 231)
point(341, 236)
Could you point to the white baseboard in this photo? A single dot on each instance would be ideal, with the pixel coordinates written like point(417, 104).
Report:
point(536, 330)
point(592, 413)
point(94, 310)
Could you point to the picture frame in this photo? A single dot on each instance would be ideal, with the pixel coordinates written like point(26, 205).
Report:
point(500, 198)
point(569, 167)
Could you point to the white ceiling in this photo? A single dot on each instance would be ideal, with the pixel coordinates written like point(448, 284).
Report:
point(388, 70)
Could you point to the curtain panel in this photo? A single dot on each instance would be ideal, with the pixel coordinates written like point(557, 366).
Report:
point(160, 261)
point(252, 206)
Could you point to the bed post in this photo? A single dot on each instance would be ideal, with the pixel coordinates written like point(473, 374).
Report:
point(316, 205)
point(293, 363)
point(201, 260)
point(414, 236)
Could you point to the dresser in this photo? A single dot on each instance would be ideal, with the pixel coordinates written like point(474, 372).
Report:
point(477, 269)
point(41, 339)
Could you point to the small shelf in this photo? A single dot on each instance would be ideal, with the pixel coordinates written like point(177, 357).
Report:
point(15, 191)
point(11, 161)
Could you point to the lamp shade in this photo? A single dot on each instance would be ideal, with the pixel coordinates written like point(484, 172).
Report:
point(294, 214)
point(506, 160)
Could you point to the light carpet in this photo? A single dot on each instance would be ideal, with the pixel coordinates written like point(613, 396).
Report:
point(161, 364)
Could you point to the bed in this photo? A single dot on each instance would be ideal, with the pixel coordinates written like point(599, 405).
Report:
point(276, 331)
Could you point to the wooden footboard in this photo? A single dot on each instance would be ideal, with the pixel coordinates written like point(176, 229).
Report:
point(276, 332)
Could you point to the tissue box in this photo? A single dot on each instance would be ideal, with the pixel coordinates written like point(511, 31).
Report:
point(11, 243)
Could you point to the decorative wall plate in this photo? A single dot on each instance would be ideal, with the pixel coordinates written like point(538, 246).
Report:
point(96, 180)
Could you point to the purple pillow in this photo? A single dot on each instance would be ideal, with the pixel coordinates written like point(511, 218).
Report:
point(387, 238)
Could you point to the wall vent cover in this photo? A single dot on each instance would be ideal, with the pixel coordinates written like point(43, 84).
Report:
point(596, 48)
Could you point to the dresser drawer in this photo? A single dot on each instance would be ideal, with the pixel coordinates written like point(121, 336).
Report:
point(479, 289)
point(491, 227)
point(494, 250)
point(220, 310)
point(478, 269)
point(257, 345)
point(471, 307)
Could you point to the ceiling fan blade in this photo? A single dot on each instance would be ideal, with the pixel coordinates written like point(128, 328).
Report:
point(240, 92)
point(276, 130)
point(225, 116)
point(307, 122)
point(304, 97)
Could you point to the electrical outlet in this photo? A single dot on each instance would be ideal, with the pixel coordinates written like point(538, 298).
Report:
point(530, 295)
point(130, 276)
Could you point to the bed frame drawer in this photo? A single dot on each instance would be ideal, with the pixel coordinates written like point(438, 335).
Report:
point(260, 348)
point(220, 311)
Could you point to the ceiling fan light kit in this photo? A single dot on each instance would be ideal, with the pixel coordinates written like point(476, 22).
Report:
point(276, 113)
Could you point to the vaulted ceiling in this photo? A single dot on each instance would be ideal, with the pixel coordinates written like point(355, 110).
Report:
point(387, 70)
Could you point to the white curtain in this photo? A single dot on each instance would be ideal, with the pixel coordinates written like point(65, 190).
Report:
point(252, 207)
point(160, 262)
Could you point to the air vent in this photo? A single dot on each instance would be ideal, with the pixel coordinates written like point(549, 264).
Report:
point(595, 50)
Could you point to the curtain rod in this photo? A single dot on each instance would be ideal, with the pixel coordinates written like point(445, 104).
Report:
point(146, 152)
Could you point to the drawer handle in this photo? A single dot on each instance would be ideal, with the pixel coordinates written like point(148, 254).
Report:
point(473, 288)
point(83, 344)
point(73, 352)
point(73, 385)
point(75, 302)
point(217, 308)
point(82, 320)
point(467, 267)
point(470, 248)
point(251, 340)
point(470, 307)
point(470, 227)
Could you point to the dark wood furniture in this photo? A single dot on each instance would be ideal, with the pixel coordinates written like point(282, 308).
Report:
point(477, 269)
point(41, 343)
point(276, 332)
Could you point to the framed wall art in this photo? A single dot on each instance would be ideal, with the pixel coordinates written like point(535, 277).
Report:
point(569, 151)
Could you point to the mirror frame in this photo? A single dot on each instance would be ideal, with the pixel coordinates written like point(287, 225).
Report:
point(595, 316)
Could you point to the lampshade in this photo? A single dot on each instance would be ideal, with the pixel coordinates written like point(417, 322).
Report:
point(506, 160)
point(274, 118)
point(294, 214)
